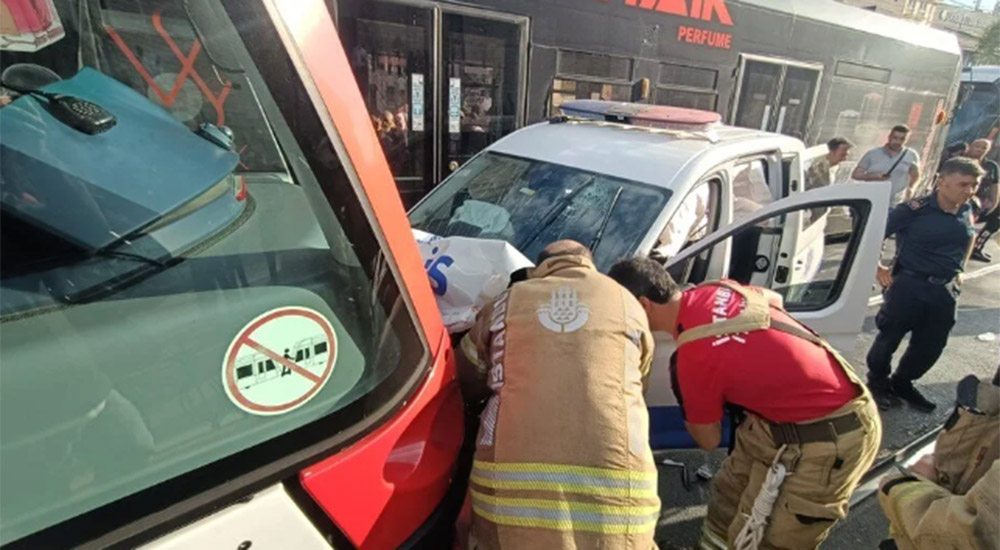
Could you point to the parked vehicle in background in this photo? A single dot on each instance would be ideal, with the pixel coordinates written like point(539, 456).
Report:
point(443, 79)
point(712, 201)
point(217, 332)
point(977, 111)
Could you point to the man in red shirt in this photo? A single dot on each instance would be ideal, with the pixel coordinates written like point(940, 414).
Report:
point(812, 427)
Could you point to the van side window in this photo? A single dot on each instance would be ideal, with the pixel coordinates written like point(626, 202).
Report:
point(814, 275)
point(750, 188)
point(696, 217)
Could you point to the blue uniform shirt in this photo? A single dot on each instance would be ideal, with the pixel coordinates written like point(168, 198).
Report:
point(930, 240)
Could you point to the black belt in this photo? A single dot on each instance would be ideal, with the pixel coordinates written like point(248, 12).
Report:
point(932, 279)
point(815, 432)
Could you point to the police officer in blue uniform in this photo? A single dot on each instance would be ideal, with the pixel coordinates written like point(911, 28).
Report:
point(934, 237)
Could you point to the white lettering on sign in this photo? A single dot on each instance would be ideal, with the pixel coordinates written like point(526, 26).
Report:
point(417, 100)
point(454, 105)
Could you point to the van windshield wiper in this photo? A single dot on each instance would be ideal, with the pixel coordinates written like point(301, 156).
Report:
point(556, 210)
point(604, 221)
point(122, 255)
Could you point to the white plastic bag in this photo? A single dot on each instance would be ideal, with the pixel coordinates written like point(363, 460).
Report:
point(466, 274)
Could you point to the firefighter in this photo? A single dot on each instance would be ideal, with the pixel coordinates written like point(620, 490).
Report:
point(812, 428)
point(562, 457)
point(952, 499)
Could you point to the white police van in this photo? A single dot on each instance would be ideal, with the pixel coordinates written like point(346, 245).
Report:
point(712, 201)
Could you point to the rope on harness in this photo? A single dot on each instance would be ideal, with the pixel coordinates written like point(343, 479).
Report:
point(752, 532)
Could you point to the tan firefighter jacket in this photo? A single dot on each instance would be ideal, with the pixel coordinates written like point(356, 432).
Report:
point(925, 516)
point(969, 443)
point(961, 510)
point(562, 456)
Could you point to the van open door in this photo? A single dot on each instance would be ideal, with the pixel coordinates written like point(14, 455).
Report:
point(803, 237)
point(833, 300)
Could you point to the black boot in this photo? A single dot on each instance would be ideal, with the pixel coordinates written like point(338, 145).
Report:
point(978, 253)
point(883, 394)
point(907, 392)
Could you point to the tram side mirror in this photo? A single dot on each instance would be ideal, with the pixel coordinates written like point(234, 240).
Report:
point(640, 90)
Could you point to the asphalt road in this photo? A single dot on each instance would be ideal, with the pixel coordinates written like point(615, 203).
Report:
point(979, 313)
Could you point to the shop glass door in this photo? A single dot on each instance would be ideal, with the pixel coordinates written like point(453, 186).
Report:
point(390, 47)
point(776, 96)
point(480, 85)
point(440, 82)
point(758, 91)
point(798, 93)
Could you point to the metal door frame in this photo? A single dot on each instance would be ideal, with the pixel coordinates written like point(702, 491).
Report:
point(521, 21)
point(784, 63)
point(435, 55)
point(438, 9)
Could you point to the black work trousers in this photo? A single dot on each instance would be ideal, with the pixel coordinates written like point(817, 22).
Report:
point(991, 226)
point(924, 309)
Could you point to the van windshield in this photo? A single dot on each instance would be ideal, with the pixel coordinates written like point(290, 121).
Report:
point(531, 203)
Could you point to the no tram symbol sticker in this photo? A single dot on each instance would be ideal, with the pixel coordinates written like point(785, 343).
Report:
point(279, 361)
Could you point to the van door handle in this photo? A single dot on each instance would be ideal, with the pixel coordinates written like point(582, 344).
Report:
point(781, 275)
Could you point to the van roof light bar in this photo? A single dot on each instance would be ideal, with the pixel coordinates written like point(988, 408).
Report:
point(639, 114)
point(690, 123)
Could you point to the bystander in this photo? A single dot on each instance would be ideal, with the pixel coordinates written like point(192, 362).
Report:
point(820, 173)
point(893, 162)
point(989, 198)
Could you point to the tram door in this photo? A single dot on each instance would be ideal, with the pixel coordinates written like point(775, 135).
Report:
point(441, 82)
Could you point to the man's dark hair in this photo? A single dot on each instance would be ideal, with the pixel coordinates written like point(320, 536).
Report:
point(962, 165)
point(645, 277)
point(901, 128)
point(837, 143)
point(957, 148)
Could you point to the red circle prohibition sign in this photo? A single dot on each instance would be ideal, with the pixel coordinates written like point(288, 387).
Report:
point(245, 339)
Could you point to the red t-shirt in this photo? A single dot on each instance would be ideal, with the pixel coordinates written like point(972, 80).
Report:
point(771, 373)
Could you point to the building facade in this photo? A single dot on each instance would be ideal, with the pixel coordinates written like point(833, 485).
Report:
point(919, 11)
point(968, 25)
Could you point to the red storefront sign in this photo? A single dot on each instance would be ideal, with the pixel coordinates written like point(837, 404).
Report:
point(704, 10)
